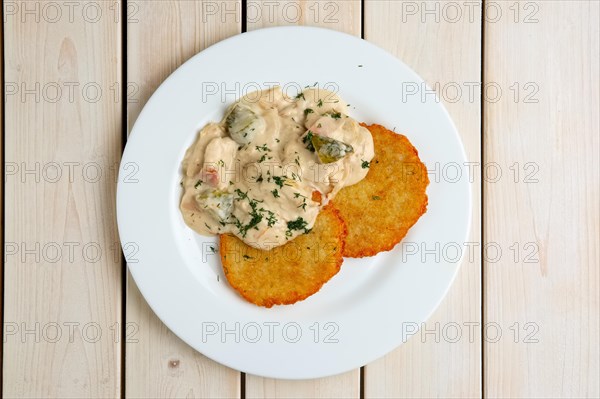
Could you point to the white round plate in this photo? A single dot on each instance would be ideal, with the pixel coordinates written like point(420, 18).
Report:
point(373, 304)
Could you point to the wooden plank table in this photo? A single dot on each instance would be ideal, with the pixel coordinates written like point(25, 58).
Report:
point(521, 82)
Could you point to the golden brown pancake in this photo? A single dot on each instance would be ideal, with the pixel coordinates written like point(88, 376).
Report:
point(380, 209)
point(289, 273)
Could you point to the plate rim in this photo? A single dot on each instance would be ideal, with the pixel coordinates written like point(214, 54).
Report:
point(132, 138)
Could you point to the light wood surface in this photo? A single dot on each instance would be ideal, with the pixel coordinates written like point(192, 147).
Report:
point(61, 308)
point(550, 210)
point(537, 122)
point(1, 185)
point(447, 55)
point(161, 36)
point(343, 16)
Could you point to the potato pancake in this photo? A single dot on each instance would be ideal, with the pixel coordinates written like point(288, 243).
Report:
point(290, 273)
point(380, 209)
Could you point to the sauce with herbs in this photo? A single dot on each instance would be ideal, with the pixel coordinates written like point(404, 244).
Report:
point(264, 172)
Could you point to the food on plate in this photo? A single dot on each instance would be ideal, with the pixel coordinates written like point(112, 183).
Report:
point(273, 160)
point(292, 185)
point(380, 210)
point(329, 150)
point(288, 273)
point(243, 124)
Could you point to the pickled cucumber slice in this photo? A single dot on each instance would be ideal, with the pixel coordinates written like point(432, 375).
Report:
point(220, 203)
point(329, 150)
point(243, 124)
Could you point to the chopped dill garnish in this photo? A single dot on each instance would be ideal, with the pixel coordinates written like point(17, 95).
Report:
point(298, 224)
point(263, 148)
point(308, 141)
point(241, 195)
point(271, 219)
point(279, 181)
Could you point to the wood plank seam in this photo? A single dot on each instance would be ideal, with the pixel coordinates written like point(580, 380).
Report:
point(439, 50)
point(47, 291)
point(346, 16)
point(482, 195)
point(125, 128)
point(2, 216)
point(160, 364)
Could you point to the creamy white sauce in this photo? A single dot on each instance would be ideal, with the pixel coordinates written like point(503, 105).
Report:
point(262, 191)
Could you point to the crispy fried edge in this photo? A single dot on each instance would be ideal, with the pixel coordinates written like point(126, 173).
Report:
point(390, 244)
point(291, 299)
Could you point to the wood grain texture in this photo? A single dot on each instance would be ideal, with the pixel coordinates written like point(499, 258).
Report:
point(445, 51)
point(549, 211)
point(542, 131)
point(341, 15)
point(345, 16)
point(62, 291)
point(345, 385)
point(2, 160)
point(161, 36)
